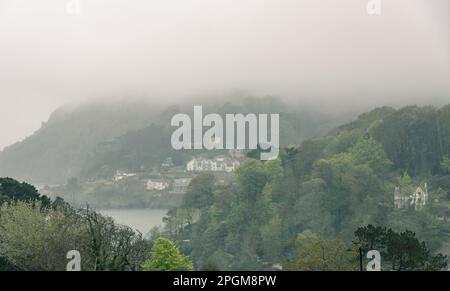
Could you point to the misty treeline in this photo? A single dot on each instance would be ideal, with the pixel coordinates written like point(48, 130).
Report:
point(94, 141)
point(310, 209)
point(322, 191)
point(36, 234)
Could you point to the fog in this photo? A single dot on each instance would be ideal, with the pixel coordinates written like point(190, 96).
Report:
point(315, 51)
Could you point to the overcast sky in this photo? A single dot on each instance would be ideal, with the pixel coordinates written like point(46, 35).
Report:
point(320, 50)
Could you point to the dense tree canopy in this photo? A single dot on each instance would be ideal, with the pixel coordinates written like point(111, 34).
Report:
point(12, 190)
point(400, 251)
point(165, 256)
point(299, 211)
point(36, 234)
point(330, 187)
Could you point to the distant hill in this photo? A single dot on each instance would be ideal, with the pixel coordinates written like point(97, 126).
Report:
point(96, 139)
point(416, 139)
point(59, 149)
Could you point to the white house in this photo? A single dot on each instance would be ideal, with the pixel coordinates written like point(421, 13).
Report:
point(420, 197)
point(218, 164)
point(122, 175)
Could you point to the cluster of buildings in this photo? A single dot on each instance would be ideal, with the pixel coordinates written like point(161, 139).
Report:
point(123, 175)
point(218, 164)
point(225, 164)
point(179, 186)
point(221, 163)
point(174, 186)
point(156, 184)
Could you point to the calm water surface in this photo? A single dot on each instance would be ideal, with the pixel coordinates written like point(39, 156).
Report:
point(139, 219)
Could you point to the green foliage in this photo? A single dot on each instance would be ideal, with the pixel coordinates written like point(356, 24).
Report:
point(272, 246)
point(95, 140)
point(330, 186)
point(367, 121)
point(165, 256)
point(200, 192)
point(369, 152)
point(143, 149)
point(445, 164)
point(252, 178)
point(316, 254)
point(240, 220)
point(179, 219)
point(36, 234)
point(399, 251)
point(12, 190)
point(371, 237)
point(303, 208)
point(62, 147)
point(112, 247)
point(412, 138)
point(35, 238)
point(211, 267)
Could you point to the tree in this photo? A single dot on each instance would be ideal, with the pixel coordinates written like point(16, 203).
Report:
point(252, 178)
point(445, 164)
point(33, 237)
point(320, 220)
point(179, 219)
point(329, 185)
point(371, 238)
point(317, 254)
point(36, 238)
point(200, 192)
point(112, 247)
point(210, 267)
point(413, 139)
point(5, 265)
point(272, 244)
point(368, 151)
point(399, 251)
point(12, 190)
point(165, 256)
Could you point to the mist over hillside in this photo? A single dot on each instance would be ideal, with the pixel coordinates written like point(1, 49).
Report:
point(323, 53)
point(224, 135)
point(60, 147)
point(97, 139)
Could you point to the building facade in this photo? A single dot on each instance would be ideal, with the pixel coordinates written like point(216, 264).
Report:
point(418, 199)
point(218, 164)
